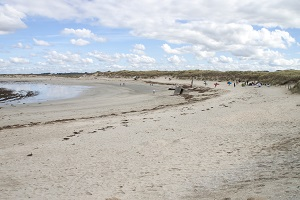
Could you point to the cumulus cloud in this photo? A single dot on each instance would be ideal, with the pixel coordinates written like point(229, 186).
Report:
point(197, 50)
point(139, 49)
point(135, 60)
point(83, 33)
point(19, 60)
point(54, 57)
point(286, 62)
point(247, 30)
point(103, 57)
point(135, 13)
point(10, 19)
point(221, 59)
point(79, 42)
point(139, 59)
point(20, 45)
point(169, 50)
point(176, 60)
point(40, 42)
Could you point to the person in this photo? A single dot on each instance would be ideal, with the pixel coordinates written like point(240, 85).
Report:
point(234, 84)
point(216, 84)
point(205, 83)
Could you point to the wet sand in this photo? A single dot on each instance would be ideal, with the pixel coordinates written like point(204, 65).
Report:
point(124, 142)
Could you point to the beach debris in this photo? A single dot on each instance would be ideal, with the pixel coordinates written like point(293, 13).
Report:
point(223, 105)
point(112, 198)
point(88, 193)
point(66, 138)
point(78, 132)
point(125, 122)
point(178, 90)
point(70, 136)
point(29, 154)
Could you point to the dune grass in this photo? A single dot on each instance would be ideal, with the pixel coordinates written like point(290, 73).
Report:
point(289, 77)
point(277, 78)
point(296, 88)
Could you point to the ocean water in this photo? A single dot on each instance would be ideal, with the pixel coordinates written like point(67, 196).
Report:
point(46, 92)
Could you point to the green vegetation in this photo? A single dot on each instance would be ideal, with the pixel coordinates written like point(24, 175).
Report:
point(277, 78)
point(296, 88)
point(289, 77)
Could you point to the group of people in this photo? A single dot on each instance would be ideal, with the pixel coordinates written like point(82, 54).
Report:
point(235, 83)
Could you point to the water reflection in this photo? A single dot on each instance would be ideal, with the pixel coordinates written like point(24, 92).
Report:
point(46, 92)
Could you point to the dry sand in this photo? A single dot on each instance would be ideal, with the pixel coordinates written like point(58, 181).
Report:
point(124, 142)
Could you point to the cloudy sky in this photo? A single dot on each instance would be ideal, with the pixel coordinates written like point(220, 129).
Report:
point(38, 36)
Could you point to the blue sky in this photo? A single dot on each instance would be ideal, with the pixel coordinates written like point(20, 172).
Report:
point(99, 35)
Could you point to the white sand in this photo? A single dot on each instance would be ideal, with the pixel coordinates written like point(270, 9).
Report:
point(243, 144)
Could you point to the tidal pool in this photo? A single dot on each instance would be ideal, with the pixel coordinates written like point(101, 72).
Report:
point(45, 92)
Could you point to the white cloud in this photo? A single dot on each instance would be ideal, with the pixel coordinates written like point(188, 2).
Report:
point(139, 49)
point(18, 60)
point(222, 59)
point(134, 59)
point(83, 33)
point(10, 19)
point(197, 50)
point(169, 50)
point(87, 60)
point(40, 42)
point(225, 59)
point(286, 62)
point(19, 45)
point(135, 14)
point(54, 58)
point(176, 60)
point(102, 57)
point(260, 33)
point(79, 42)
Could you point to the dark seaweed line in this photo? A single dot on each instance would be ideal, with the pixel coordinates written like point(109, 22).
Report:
point(189, 100)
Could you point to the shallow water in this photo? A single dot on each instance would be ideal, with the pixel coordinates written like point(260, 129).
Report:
point(46, 92)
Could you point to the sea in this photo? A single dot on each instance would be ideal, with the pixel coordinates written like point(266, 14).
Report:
point(44, 92)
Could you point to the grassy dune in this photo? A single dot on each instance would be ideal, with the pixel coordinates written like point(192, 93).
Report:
point(278, 77)
point(296, 88)
point(284, 77)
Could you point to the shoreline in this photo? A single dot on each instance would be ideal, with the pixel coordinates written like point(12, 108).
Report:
point(102, 91)
point(242, 144)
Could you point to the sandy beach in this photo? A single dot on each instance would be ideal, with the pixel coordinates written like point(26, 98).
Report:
point(116, 142)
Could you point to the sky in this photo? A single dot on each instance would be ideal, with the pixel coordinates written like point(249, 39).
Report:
point(58, 36)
